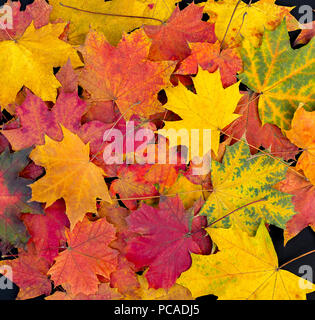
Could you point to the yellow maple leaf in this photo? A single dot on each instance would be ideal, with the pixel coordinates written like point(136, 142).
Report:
point(29, 61)
point(244, 268)
point(211, 108)
point(112, 26)
point(249, 20)
point(69, 175)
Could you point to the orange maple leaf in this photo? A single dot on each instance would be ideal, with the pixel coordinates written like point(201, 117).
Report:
point(303, 200)
point(170, 40)
point(303, 135)
point(210, 57)
point(86, 256)
point(122, 74)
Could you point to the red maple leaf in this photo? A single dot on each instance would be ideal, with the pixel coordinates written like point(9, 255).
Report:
point(303, 200)
point(123, 75)
point(165, 238)
point(48, 231)
point(36, 120)
point(29, 273)
point(170, 40)
point(249, 126)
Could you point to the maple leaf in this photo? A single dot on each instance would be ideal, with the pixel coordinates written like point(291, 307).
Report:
point(105, 292)
point(86, 256)
point(302, 134)
point(135, 86)
point(48, 231)
point(36, 52)
point(127, 15)
point(29, 273)
point(242, 179)
point(69, 175)
point(210, 57)
point(249, 20)
point(244, 268)
point(165, 237)
point(131, 184)
point(152, 65)
point(303, 200)
point(170, 40)
point(114, 214)
point(211, 108)
point(282, 76)
point(249, 126)
point(36, 120)
point(14, 196)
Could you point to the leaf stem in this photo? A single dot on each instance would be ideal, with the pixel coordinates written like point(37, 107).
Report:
point(244, 206)
point(111, 14)
point(300, 256)
point(239, 30)
point(229, 25)
point(163, 195)
point(237, 209)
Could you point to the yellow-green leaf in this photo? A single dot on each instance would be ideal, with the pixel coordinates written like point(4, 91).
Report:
point(249, 20)
point(244, 268)
point(242, 179)
point(284, 77)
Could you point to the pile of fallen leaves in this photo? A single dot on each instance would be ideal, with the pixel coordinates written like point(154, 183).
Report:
point(73, 226)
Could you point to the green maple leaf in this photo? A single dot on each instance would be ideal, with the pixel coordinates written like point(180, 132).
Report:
point(284, 77)
point(242, 179)
point(14, 194)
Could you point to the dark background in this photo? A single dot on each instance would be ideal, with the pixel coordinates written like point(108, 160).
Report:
point(302, 243)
